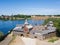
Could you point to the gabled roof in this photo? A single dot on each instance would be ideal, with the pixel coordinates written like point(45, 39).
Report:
point(18, 29)
point(43, 31)
point(26, 22)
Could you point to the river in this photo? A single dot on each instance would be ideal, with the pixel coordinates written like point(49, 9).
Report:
point(6, 26)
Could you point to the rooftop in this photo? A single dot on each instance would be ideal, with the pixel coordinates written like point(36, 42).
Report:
point(42, 32)
point(26, 22)
point(36, 29)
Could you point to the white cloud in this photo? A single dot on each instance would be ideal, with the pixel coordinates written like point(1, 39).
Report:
point(42, 11)
point(31, 11)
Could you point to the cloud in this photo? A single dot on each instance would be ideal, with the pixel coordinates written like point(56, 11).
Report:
point(31, 11)
point(43, 11)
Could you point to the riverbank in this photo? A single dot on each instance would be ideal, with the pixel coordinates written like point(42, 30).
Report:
point(7, 40)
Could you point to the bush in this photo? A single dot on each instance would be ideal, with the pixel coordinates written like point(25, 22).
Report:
point(1, 36)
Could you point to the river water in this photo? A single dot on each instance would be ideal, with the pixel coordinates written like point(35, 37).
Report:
point(6, 26)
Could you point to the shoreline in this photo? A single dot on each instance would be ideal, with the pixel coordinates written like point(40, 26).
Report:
point(7, 40)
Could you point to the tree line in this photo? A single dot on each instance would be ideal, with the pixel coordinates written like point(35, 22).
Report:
point(14, 17)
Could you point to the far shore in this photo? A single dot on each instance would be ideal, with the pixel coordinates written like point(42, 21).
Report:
point(27, 17)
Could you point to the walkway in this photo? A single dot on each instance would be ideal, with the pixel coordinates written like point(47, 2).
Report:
point(28, 41)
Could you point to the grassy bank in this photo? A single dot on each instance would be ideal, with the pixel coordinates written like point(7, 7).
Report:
point(2, 36)
point(53, 39)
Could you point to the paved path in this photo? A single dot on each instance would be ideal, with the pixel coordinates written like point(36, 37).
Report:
point(41, 42)
point(57, 42)
point(28, 41)
point(6, 40)
point(47, 43)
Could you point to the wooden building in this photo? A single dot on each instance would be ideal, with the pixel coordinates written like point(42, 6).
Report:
point(39, 32)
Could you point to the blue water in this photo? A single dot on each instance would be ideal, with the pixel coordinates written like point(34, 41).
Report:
point(6, 26)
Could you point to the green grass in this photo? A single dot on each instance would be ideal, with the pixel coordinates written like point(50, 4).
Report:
point(53, 40)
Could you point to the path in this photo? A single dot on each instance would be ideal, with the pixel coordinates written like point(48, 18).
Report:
point(29, 41)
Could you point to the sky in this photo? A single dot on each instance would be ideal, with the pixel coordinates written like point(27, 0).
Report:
point(30, 7)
